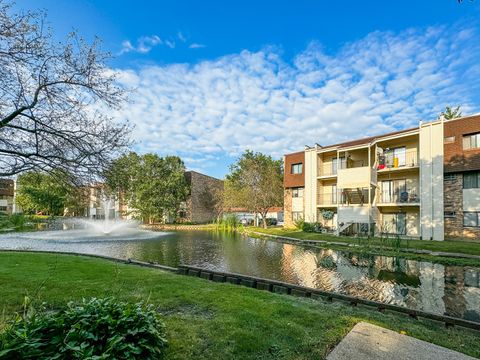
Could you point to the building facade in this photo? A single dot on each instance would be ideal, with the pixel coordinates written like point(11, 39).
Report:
point(422, 183)
point(7, 194)
point(200, 206)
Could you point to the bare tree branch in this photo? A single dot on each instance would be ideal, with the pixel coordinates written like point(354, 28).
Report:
point(54, 98)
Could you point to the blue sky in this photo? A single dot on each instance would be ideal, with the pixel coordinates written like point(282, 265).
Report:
point(214, 78)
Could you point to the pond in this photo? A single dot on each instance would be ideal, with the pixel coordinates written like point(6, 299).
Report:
point(440, 289)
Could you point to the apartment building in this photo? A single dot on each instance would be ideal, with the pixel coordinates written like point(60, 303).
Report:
point(7, 194)
point(421, 183)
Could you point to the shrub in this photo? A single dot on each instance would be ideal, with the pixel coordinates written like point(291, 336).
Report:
point(95, 329)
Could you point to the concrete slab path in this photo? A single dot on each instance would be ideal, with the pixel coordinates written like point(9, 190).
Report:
point(370, 342)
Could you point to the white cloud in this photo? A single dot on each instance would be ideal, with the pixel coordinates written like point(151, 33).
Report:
point(181, 37)
point(256, 100)
point(144, 44)
point(196, 46)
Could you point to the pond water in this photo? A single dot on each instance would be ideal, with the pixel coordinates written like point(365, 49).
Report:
point(440, 289)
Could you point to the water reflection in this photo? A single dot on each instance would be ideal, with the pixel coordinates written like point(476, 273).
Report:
point(451, 290)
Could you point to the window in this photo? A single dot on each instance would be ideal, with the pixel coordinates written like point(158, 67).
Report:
point(471, 180)
point(450, 177)
point(449, 140)
point(471, 141)
point(297, 192)
point(394, 191)
point(398, 155)
point(449, 214)
point(297, 215)
point(338, 163)
point(395, 223)
point(3, 208)
point(470, 219)
point(297, 168)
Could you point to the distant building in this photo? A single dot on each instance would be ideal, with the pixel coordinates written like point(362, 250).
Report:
point(422, 182)
point(7, 193)
point(248, 217)
point(200, 205)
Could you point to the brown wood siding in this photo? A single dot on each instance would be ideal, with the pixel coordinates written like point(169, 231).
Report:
point(457, 159)
point(294, 180)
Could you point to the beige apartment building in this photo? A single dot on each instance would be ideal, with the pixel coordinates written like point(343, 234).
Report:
point(391, 184)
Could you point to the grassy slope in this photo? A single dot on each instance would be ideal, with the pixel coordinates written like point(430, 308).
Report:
point(207, 320)
point(465, 247)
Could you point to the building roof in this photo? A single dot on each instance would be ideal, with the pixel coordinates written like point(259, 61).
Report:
point(367, 140)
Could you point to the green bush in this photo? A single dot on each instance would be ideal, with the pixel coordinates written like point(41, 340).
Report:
point(95, 329)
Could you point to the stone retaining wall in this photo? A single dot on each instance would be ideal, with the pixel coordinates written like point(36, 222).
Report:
point(177, 227)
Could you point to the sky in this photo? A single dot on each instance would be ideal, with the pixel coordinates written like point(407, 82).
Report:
point(214, 78)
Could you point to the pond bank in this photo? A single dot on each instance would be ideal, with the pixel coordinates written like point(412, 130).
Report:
point(206, 320)
point(451, 249)
point(178, 227)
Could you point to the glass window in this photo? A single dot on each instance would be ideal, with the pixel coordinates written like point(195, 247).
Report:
point(470, 219)
point(470, 180)
point(471, 141)
point(338, 163)
point(297, 168)
point(297, 192)
point(395, 223)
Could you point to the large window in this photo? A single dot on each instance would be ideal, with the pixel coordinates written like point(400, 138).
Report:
point(471, 180)
point(396, 157)
point(471, 141)
point(395, 223)
point(394, 191)
point(297, 192)
point(338, 163)
point(471, 219)
point(297, 168)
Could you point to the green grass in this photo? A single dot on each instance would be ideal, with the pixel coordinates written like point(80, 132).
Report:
point(207, 320)
point(464, 247)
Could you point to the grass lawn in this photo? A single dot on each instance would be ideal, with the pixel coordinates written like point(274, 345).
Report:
point(207, 320)
point(464, 247)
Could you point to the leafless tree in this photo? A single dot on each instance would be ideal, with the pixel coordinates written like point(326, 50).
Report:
point(54, 97)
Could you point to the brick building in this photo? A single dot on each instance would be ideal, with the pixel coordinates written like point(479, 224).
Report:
point(7, 192)
point(422, 182)
point(200, 205)
point(462, 177)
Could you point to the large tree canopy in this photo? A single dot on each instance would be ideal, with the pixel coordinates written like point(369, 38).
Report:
point(53, 100)
point(256, 183)
point(50, 194)
point(152, 186)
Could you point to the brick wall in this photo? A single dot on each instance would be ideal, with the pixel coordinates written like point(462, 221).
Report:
point(453, 201)
point(294, 180)
point(287, 208)
point(457, 159)
point(201, 202)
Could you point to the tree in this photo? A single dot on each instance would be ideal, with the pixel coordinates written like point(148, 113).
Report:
point(256, 183)
point(47, 193)
point(53, 100)
point(153, 186)
point(451, 113)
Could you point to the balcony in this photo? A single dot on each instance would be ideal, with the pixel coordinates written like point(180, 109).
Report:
point(327, 199)
point(400, 198)
point(395, 160)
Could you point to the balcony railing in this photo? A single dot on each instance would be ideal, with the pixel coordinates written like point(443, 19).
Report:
point(408, 196)
point(327, 198)
point(330, 169)
point(394, 159)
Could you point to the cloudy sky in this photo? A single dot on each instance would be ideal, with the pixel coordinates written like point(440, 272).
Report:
point(213, 78)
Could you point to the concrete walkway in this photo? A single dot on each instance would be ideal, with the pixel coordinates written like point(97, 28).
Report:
point(370, 342)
